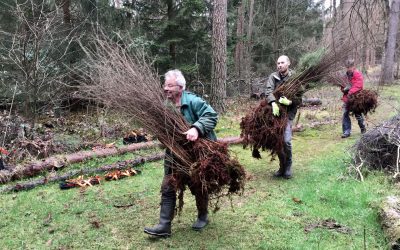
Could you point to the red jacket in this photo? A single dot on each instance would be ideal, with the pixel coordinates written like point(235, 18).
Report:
point(357, 84)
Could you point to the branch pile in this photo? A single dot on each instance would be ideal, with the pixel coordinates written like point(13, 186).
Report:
point(379, 148)
point(363, 102)
point(262, 130)
point(389, 215)
point(126, 82)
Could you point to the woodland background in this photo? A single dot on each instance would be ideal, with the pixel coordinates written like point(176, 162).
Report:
point(225, 49)
point(222, 47)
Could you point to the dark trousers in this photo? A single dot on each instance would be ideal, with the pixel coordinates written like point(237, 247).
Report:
point(346, 121)
point(285, 157)
point(168, 192)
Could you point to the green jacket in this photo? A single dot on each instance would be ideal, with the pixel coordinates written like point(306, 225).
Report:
point(199, 114)
point(274, 81)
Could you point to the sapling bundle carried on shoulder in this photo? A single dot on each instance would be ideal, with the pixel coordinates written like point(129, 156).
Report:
point(260, 129)
point(126, 82)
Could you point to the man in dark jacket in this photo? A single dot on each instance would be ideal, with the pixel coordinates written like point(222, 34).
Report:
point(356, 83)
point(203, 120)
point(274, 81)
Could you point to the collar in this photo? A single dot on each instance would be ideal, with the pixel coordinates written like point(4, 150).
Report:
point(184, 99)
point(277, 75)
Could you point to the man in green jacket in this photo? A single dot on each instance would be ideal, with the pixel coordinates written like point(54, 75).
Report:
point(203, 120)
point(274, 81)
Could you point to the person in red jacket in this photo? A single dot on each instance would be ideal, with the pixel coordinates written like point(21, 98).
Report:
point(356, 83)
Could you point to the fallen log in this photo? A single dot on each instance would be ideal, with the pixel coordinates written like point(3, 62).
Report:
point(390, 220)
point(59, 161)
point(313, 101)
point(231, 140)
point(89, 171)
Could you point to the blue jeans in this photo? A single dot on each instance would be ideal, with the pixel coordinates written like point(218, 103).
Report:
point(346, 121)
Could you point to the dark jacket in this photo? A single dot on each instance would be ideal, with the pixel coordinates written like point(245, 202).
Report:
point(274, 81)
point(199, 114)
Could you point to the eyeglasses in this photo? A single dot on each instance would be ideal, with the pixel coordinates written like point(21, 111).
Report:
point(170, 85)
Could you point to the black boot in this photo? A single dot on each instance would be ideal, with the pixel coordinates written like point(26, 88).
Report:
point(288, 172)
point(163, 228)
point(1, 164)
point(201, 222)
point(202, 212)
point(360, 120)
point(281, 169)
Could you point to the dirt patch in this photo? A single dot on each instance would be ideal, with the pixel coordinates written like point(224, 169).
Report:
point(329, 224)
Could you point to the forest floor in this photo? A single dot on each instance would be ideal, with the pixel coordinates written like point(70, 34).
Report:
point(324, 206)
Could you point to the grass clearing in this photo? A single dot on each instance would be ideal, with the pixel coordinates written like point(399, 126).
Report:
point(271, 214)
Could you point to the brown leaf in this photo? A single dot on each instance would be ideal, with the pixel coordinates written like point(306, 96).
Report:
point(48, 243)
point(47, 220)
point(297, 200)
point(95, 223)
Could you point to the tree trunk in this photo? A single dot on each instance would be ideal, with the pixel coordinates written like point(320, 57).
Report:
point(397, 64)
point(249, 45)
point(334, 8)
point(218, 71)
point(65, 5)
point(388, 64)
point(239, 57)
point(171, 17)
point(275, 28)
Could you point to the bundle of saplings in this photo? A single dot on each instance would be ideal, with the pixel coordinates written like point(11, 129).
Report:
point(126, 82)
point(260, 129)
point(379, 148)
point(363, 101)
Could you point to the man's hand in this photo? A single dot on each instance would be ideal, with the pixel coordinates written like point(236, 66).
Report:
point(285, 101)
point(347, 88)
point(192, 134)
point(275, 109)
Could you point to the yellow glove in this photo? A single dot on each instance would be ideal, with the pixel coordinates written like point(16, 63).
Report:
point(285, 101)
point(275, 109)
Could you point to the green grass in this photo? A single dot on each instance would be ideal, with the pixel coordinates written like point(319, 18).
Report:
point(264, 217)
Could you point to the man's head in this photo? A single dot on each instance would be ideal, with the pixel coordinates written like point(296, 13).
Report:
point(283, 64)
point(174, 84)
point(350, 65)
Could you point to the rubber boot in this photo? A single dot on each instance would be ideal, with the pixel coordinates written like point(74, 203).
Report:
point(1, 164)
point(360, 121)
point(281, 170)
point(163, 228)
point(288, 172)
point(202, 212)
